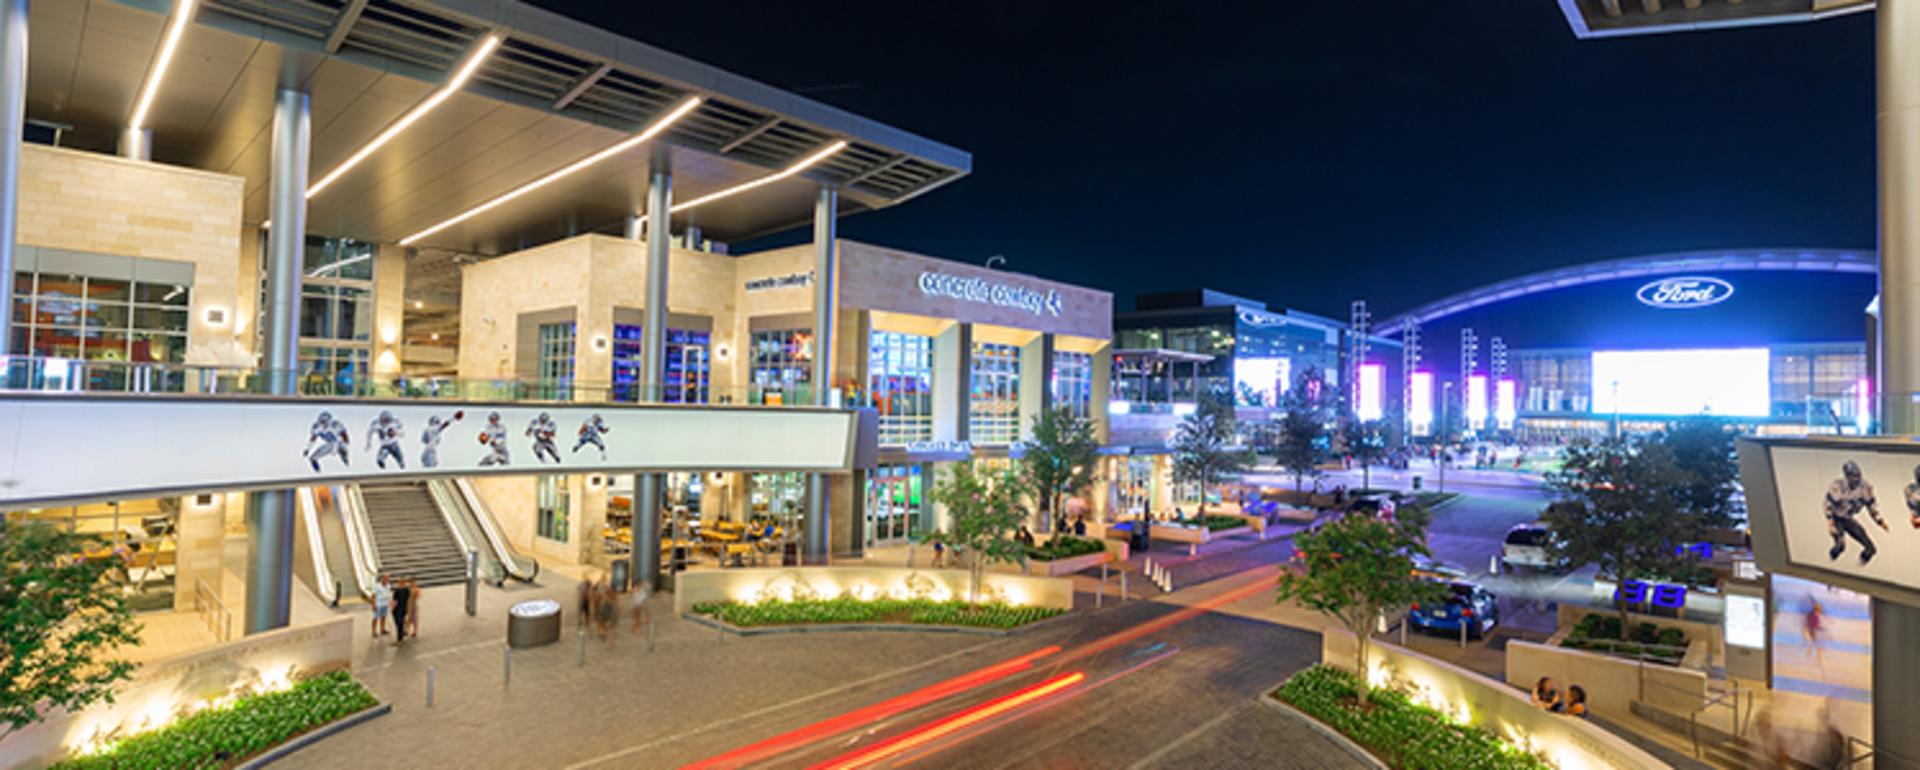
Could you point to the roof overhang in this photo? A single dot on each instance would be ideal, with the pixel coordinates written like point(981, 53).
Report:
point(555, 91)
point(1613, 18)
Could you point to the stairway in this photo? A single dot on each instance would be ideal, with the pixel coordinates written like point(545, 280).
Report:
point(411, 536)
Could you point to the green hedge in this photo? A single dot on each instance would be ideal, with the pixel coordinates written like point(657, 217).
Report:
point(1216, 522)
point(1401, 733)
point(1601, 633)
point(1064, 547)
point(847, 609)
point(224, 736)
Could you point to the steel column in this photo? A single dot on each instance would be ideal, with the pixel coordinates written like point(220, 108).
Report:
point(653, 356)
point(1897, 53)
point(13, 120)
point(818, 544)
point(136, 143)
point(270, 513)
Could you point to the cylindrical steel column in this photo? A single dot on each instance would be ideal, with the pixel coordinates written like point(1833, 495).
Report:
point(653, 357)
point(818, 543)
point(1897, 52)
point(136, 143)
point(13, 121)
point(1896, 699)
point(270, 513)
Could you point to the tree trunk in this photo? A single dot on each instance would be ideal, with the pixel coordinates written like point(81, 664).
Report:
point(1363, 640)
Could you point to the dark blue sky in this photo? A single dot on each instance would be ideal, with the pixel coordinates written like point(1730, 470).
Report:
point(1308, 154)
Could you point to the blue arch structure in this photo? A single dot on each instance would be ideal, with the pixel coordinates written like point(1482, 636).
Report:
point(1653, 265)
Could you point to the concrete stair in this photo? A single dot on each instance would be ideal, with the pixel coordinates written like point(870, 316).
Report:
point(411, 536)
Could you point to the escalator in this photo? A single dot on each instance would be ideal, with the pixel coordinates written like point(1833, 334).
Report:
point(329, 553)
point(498, 559)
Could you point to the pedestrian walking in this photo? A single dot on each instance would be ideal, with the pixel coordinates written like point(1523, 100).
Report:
point(638, 601)
point(939, 554)
point(608, 604)
point(382, 605)
point(402, 605)
point(1812, 625)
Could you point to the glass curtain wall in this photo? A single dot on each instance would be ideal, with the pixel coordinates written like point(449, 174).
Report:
point(893, 503)
point(1072, 385)
point(993, 416)
point(688, 369)
point(82, 317)
point(900, 383)
point(336, 315)
point(552, 506)
point(555, 372)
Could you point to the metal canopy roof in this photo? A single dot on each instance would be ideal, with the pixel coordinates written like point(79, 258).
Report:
point(1609, 18)
point(1816, 260)
point(557, 90)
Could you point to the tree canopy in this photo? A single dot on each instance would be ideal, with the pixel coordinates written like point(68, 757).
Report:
point(986, 514)
point(1358, 567)
point(1205, 449)
point(1059, 460)
point(61, 621)
point(1306, 408)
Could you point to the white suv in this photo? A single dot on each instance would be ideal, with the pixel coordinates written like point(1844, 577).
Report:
point(1528, 545)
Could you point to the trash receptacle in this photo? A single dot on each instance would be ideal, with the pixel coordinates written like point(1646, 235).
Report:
point(1416, 483)
point(533, 623)
point(790, 554)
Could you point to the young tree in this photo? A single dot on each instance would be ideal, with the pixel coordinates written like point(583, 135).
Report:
point(1300, 445)
point(61, 621)
point(1620, 510)
point(986, 513)
point(1367, 442)
point(1357, 567)
point(1059, 461)
point(1702, 449)
point(1205, 450)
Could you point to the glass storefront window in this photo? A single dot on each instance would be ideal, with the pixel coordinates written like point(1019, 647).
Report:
point(99, 319)
point(336, 313)
point(893, 503)
point(781, 497)
point(900, 383)
point(138, 540)
point(688, 369)
point(1072, 384)
point(555, 360)
point(993, 416)
point(782, 366)
point(553, 506)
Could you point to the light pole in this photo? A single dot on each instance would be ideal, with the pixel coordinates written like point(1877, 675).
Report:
point(1616, 409)
point(1446, 432)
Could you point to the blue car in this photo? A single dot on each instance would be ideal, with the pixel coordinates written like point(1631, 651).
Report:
point(1466, 604)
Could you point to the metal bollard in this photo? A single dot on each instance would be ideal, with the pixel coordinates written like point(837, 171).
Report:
point(1463, 633)
point(506, 667)
point(1100, 596)
point(429, 687)
point(1123, 586)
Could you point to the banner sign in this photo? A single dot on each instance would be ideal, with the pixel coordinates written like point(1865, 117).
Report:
point(1846, 508)
point(146, 446)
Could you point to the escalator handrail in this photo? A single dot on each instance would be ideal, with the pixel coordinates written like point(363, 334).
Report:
point(516, 566)
point(366, 554)
point(451, 517)
point(325, 585)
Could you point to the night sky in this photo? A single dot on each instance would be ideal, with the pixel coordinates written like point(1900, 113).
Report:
point(1308, 154)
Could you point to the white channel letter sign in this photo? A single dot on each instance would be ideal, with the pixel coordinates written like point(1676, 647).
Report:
point(780, 281)
point(1684, 292)
point(940, 446)
point(988, 292)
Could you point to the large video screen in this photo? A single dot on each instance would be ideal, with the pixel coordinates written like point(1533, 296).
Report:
point(1729, 382)
point(1265, 377)
point(1852, 511)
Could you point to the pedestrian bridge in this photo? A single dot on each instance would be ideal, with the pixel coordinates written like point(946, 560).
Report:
point(76, 447)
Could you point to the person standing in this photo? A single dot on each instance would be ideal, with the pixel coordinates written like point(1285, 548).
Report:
point(382, 605)
point(402, 605)
point(413, 617)
point(641, 594)
point(585, 600)
point(605, 606)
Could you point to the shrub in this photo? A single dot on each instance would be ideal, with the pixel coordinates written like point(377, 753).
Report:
point(1064, 547)
point(1672, 637)
point(847, 609)
point(223, 736)
point(1395, 729)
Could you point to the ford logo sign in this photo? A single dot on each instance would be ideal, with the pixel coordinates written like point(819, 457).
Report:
point(1684, 292)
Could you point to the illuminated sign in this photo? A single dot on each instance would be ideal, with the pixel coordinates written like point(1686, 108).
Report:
point(940, 447)
point(780, 281)
point(1504, 406)
point(1252, 317)
point(1264, 377)
point(1726, 382)
point(1746, 621)
point(1420, 403)
point(1476, 401)
point(988, 292)
point(1373, 381)
point(1684, 292)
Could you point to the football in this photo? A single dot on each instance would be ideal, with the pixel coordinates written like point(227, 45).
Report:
point(459, 414)
point(483, 438)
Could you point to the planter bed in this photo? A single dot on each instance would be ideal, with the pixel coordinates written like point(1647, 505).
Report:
point(227, 736)
point(1067, 566)
point(848, 610)
point(1401, 733)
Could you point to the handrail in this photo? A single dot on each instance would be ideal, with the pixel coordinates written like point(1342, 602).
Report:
point(324, 583)
point(1872, 752)
point(208, 605)
point(353, 515)
point(461, 537)
point(511, 561)
point(1735, 723)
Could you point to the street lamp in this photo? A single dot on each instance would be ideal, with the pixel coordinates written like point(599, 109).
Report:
point(1616, 409)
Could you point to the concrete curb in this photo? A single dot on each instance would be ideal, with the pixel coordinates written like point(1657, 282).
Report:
point(835, 628)
point(315, 736)
point(1346, 744)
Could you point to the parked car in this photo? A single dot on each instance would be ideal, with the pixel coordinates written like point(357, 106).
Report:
point(1466, 604)
point(1529, 545)
point(1429, 567)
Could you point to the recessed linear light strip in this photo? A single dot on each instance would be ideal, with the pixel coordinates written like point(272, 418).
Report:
point(798, 166)
point(474, 60)
point(659, 125)
point(176, 28)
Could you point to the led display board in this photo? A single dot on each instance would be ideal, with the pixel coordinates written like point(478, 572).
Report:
point(1420, 403)
point(1372, 385)
point(1265, 376)
point(1505, 404)
point(1727, 382)
point(1476, 407)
